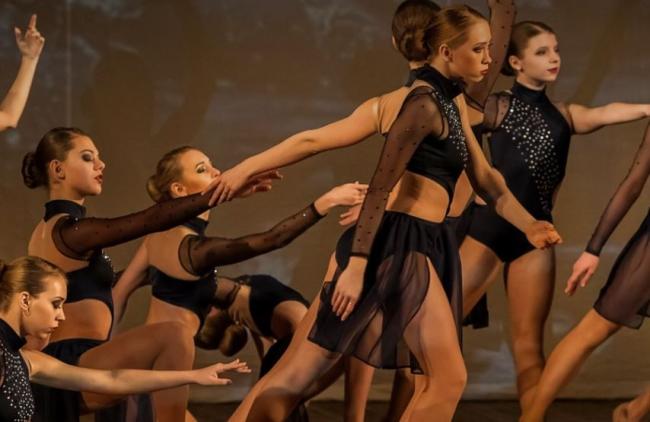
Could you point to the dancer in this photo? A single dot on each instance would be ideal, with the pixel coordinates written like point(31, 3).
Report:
point(529, 145)
point(67, 163)
point(32, 293)
point(30, 44)
point(623, 301)
point(411, 273)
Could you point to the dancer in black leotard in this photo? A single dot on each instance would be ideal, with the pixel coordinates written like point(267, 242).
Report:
point(30, 43)
point(623, 301)
point(67, 162)
point(529, 138)
point(32, 293)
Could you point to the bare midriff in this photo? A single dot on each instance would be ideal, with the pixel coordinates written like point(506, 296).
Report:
point(88, 319)
point(419, 197)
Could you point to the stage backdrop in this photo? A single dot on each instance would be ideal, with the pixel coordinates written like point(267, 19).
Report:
point(233, 77)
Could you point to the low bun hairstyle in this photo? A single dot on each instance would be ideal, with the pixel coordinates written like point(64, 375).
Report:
point(168, 171)
point(522, 32)
point(25, 274)
point(54, 145)
point(411, 21)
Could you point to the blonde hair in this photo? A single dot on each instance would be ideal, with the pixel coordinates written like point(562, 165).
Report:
point(168, 171)
point(25, 274)
point(451, 26)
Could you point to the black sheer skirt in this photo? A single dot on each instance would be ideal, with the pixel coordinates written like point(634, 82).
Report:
point(395, 285)
point(625, 298)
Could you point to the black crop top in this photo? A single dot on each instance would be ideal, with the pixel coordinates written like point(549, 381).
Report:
point(529, 145)
point(79, 237)
point(16, 399)
point(199, 255)
point(427, 138)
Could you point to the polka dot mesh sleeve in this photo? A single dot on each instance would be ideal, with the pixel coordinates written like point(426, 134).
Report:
point(77, 237)
point(626, 194)
point(420, 117)
point(199, 255)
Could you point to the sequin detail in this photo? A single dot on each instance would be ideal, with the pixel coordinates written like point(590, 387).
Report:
point(16, 390)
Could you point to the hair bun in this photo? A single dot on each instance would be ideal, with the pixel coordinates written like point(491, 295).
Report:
point(32, 176)
point(152, 189)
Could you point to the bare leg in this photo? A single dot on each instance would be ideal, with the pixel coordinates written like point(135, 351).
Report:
point(438, 391)
point(633, 411)
point(480, 267)
point(358, 379)
point(403, 389)
point(165, 346)
point(566, 359)
point(530, 281)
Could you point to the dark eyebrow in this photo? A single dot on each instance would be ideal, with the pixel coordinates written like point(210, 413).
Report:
point(199, 163)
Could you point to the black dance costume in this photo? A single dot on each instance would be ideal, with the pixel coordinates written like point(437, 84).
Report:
point(199, 255)
point(16, 400)
point(529, 146)
point(625, 298)
point(79, 237)
point(426, 138)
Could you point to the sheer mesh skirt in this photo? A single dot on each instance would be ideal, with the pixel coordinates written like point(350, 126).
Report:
point(395, 285)
point(625, 298)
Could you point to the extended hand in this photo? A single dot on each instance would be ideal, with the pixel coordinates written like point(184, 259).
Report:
point(583, 269)
point(348, 288)
point(210, 374)
point(31, 42)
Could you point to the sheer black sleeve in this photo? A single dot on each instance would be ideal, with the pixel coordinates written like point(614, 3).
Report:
point(198, 255)
point(77, 237)
point(626, 194)
point(420, 116)
point(502, 17)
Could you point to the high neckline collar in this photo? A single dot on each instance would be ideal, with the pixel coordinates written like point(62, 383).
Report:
point(532, 95)
point(11, 338)
point(197, 224)
point(64, 206)
point(431, 75)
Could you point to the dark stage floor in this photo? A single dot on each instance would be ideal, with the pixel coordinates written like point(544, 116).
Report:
point(469, 411)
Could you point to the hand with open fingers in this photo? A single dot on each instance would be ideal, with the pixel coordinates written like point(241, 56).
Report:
point(210, 374)
point(30, 43)
point(350, 216)
point(262, 182)
point(348, 287)
point(584, 267)
point(228, 184)
point(542, 234)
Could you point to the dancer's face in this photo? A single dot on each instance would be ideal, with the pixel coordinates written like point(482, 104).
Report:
point(197, 173)
point(470, 61)
point(82, 171)
point(43, 313)
point(540, 60)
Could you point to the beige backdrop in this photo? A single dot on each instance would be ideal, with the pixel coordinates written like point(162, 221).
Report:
point(235, 76)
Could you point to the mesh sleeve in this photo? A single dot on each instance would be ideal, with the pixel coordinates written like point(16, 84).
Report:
point(198, 255)
point(502, 17)
point(77, 237)
point(419, 117)
point(626, 194)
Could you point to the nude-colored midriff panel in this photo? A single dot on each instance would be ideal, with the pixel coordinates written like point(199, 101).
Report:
point(78, 322)
point(160, 311)
point(420, 197)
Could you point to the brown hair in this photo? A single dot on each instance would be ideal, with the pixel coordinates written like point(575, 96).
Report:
point(522, 32)
point(54, 145)
point(234, 339)
point(411, 21)
point(25, 274)
point(451, 25)
point(168, 171)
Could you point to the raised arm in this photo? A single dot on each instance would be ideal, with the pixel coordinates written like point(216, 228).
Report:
point(77, 237)
point(491, 186)
point(585, 120)
point(30, 43)
point(348, 131)
point(420, 117)
point(51, 372)
point(502, 18)
point(200, 254)
point(626, 194)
